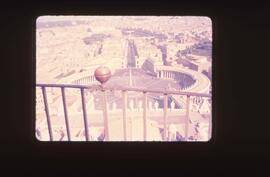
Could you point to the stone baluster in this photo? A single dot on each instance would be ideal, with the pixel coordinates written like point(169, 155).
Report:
point(140, 105)
point(172, 132)
point(150, 105)
point(90, 103)
point(172, 105)
point(114, 106)
point(131, 105)
point(156, 105)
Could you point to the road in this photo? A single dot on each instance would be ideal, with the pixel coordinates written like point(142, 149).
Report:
point(131, 61)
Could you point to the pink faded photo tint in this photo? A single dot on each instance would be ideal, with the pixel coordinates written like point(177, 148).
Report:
point(123, 78)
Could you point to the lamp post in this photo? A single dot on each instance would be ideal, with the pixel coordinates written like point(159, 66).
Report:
point(103, 74)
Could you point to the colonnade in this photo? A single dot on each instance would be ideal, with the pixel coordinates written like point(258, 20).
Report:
point(166, 74)
point(85, 80)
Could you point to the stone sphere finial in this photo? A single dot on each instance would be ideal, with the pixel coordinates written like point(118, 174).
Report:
point(102, 74)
